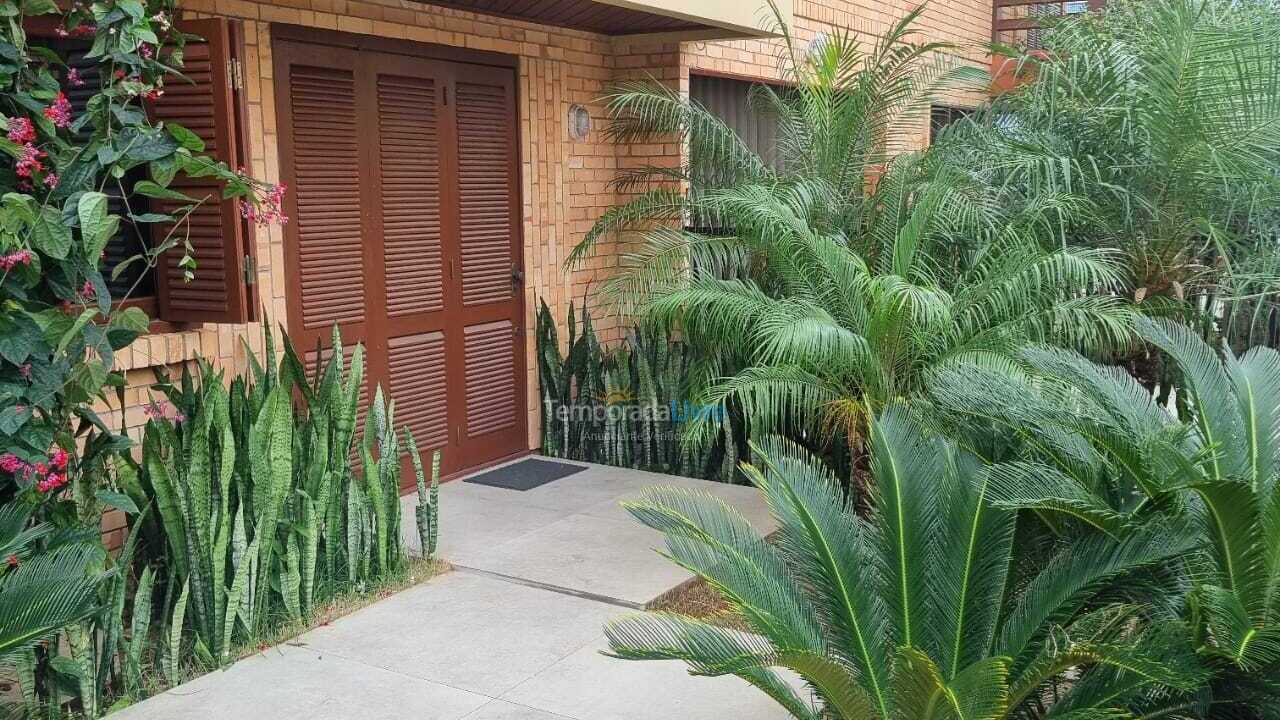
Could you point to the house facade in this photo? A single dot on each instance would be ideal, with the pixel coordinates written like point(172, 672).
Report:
point(441, 160)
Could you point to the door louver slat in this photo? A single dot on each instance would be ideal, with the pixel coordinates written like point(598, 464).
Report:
point(484, 189)
point(410, 166)
point(419, 386)
point(330, 246)
point(490, 368)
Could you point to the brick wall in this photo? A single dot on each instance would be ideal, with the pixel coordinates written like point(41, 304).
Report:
point(564, 182)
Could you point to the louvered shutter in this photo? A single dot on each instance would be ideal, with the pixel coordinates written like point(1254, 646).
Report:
point(211, 106)
point(488, 251)
point(326, 158)
point(409, 197)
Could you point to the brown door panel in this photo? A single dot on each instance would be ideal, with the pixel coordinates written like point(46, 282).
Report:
point(406, 231)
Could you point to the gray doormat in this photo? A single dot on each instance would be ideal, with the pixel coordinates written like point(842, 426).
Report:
point(526, 474)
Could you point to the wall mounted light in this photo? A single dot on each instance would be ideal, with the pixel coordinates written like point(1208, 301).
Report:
point(579, 122)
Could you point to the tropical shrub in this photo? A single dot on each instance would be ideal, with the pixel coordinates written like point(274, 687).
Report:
point(1096, 454)
point(60, 326)
point(1161, 120)
point(267, 503)
point(932, 605)
point(841, 274)
point(625, 405)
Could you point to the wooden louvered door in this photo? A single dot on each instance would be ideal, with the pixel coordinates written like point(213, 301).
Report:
point(320, 159)
point(489, 297)
point(407, 95)
point(405, 234)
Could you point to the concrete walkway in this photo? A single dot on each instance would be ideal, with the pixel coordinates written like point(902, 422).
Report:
point(514, 633)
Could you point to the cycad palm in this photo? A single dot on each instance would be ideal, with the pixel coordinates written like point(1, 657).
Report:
point(849, 270)
point(1162, 117)
point(921, 610)
point(50, 580)
point(1100, 454)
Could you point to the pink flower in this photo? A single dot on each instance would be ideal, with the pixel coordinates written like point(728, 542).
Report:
point(13, 561)
point(145, 51)
point(84, 30)
point(25, 371)
point(29, 161)
point(11, 464)
point(86, 291)
point(269, 208)
point(21, 130)
point(73, 77)
point(60, 111)
point(163, 411)
point(59, 459)
point(51, 482)
point(14, 259)
point(51, 181)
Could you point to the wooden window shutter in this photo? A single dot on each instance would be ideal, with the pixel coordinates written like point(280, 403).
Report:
point(210, 104)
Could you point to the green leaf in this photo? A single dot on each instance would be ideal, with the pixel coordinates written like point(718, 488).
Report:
point(151, 218)
point(20, 337)
point(126, 325)
point(152, 190)
point(13, 417)
point(163, 170)
point(185, 137)
point(74, 331)
point(119, 501)
point(96, 224)
point(50, 235)
point(38, 7)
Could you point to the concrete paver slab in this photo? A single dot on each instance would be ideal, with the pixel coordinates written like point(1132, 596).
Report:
point(471, 632)
point(289, 682)
point(590, 685)
point(503, 710)
point(611, 558)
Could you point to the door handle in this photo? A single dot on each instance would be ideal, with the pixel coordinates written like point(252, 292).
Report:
point(517, 275)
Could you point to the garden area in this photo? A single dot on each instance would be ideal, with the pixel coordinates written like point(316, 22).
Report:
point(255, 506)
point(1011, 397)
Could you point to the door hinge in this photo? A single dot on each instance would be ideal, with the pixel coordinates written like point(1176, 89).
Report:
point(234, 76)
point(250, 272)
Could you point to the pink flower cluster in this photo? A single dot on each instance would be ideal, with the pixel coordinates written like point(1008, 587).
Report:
point(87, 293)
point(14, 259)
point(60, 111)
point(29, 161)
point(73, 77)
point(21, 130)
point(163, 411)
point(79, 31)
point(51, 475)
point(270, 207)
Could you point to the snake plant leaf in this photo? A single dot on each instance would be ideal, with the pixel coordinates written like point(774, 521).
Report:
point(238, 597)
point(139, 628)
point(173, 655)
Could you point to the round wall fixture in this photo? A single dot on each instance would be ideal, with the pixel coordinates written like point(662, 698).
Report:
point(579, 122)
